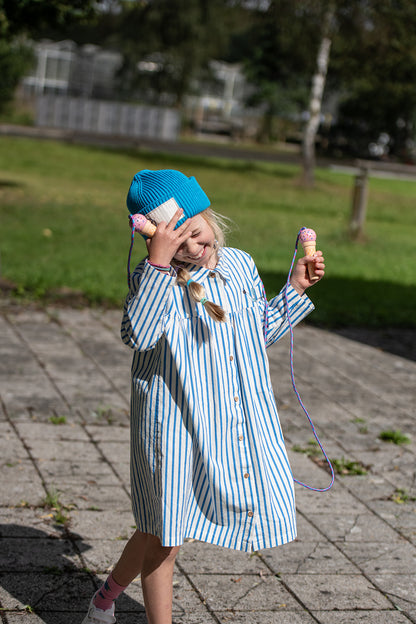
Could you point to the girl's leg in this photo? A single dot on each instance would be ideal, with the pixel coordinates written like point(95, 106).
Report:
point(127, 568)
point(130, 563)
point(157, 581)
point(144, 553)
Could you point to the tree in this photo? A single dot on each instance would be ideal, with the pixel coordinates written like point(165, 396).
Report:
point(374, 65)
point(174, 40)
point(30, 16)
point(369, 47)
point(317, 91)
point(276, 53)
point(20, 19)
point(15, 59)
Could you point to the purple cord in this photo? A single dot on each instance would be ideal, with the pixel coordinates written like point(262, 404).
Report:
point(292, 374)
point(129, 258)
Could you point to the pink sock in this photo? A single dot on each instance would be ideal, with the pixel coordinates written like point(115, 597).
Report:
point(108, 592)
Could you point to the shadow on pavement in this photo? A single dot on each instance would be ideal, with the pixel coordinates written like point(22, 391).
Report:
point(343, 306)
point(38, 573)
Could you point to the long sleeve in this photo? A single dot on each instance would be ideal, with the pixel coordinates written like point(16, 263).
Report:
point(278, 324)
point(143, 314)
point(274, 312)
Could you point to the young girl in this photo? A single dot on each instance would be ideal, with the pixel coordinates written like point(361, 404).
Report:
point(208, 459)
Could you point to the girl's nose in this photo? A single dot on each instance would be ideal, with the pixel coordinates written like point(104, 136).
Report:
point(191, 247)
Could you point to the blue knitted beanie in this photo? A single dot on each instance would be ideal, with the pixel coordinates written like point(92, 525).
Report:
point(158, 194)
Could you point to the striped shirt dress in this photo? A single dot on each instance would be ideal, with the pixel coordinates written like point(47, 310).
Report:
point(208, 459)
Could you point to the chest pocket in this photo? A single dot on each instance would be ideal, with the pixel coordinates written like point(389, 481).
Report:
point(251, 297)
point(181, 305)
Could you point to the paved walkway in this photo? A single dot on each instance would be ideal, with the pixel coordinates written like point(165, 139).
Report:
point(65, 441)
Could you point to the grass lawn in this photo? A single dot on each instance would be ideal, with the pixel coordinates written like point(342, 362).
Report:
point(64, 223)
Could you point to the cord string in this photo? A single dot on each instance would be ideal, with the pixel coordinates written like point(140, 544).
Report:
point(129, 258)
point(292, 375)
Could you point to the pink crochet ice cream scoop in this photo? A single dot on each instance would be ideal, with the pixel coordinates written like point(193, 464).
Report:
point(140, 224)
point(307, 237)
point(306, 234)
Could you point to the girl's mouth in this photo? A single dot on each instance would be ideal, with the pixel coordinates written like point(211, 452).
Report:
point(196, 259)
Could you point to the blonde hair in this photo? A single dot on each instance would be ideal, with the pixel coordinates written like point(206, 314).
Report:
point(220, 225)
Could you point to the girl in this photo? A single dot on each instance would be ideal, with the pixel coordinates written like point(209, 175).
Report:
point(208, 459)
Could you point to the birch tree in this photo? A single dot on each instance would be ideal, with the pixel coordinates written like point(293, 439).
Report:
point(315, 102)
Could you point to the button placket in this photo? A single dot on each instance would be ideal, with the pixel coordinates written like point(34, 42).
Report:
point(241, 439)
point(245, 480)
point(236, 402)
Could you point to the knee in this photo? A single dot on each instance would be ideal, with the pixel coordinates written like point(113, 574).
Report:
point(155, 554)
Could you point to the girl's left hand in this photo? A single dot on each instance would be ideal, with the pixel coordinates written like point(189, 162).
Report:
point(300, 279)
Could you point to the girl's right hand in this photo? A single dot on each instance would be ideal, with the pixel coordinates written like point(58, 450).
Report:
point(166, 241)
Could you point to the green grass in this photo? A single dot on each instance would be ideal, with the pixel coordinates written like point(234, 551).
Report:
point(64, 223)
point(311, 450)
point(60, 511)
point(348, 467)
point(402, 496)
point(57, 420)
point(395, 436)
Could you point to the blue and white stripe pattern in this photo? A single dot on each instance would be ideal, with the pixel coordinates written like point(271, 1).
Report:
point(208, 459)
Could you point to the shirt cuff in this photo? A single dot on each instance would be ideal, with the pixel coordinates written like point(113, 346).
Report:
point(299, 305)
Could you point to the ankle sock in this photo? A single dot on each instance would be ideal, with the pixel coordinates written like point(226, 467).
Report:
point(108, 592)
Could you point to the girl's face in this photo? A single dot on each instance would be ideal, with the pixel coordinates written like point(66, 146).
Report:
point(200, 248)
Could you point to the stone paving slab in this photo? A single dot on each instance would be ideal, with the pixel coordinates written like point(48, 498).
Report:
point(307, 557)
point(51, 592)
point(361, 617)
point(64, 425)
point(336, 591)
point(93, 525)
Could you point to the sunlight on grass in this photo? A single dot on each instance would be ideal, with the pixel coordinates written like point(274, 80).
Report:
point(65, 223)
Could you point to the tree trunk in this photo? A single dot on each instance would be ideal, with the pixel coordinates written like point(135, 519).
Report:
point(315, 102)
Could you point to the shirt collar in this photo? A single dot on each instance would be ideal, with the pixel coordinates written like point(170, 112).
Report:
point(224, 267)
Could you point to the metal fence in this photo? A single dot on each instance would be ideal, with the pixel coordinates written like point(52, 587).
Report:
point(107, 118)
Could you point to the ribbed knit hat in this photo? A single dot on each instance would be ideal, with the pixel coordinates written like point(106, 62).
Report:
point(158, 195)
